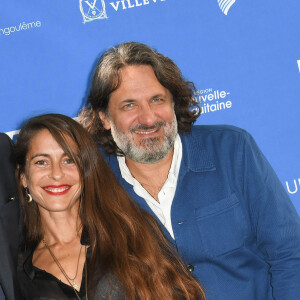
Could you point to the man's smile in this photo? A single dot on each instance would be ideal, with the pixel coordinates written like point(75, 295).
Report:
point(146, 130)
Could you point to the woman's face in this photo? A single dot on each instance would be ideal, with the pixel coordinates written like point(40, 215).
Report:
point(50, 174)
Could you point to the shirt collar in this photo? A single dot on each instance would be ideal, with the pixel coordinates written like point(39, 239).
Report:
point(195, 155)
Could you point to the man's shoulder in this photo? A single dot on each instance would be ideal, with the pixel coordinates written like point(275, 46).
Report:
point(5, 140)
point(7, 178)
point(216, 129)
point(6, 150)
point(219, 139)
point(205, 133)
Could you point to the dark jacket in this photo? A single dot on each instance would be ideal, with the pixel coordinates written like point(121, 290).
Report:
point(10, 222)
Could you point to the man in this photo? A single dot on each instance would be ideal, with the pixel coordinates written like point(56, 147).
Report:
point(217, 197)
point(10, 230)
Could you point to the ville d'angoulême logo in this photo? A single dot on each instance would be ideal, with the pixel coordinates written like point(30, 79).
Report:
point(92, 10)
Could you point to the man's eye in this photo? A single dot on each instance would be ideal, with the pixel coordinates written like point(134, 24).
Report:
point(156, 100)
point(128, 106)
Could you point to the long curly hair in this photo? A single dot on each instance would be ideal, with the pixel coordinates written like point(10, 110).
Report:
point(124, 239)
point(106, 79)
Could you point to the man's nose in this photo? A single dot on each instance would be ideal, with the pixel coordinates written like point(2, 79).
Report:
point(146, 115)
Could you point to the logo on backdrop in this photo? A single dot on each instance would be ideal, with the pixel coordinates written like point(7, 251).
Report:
point(92, 10)
point(225, 5)
point(22, 26)
point(298, 61)
point(212, 100)
point(292, 186)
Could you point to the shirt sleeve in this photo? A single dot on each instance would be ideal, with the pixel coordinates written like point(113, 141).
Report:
point(274, 221)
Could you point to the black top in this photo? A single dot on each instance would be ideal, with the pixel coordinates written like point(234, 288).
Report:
point(37, 284)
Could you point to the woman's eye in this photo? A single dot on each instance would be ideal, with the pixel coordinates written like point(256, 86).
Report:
point(41, 163)
point(69, 161)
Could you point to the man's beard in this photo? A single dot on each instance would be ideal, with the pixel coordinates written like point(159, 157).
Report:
point(150, 150)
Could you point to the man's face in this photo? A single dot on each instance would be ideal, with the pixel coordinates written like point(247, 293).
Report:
point(141, 115)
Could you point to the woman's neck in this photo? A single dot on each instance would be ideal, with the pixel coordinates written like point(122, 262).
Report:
point(61, 227)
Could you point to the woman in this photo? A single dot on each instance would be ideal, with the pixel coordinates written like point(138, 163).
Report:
point(85, 237)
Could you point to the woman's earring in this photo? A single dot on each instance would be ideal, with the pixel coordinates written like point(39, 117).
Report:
point(28, 197)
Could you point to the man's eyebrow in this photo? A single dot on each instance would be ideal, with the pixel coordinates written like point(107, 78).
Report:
point(158, 95)
point(127, 101)
point(133, 100)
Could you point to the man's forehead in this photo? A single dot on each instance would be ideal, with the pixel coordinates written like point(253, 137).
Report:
point(131, 71)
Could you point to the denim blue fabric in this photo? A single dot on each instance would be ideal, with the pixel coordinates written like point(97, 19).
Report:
point(233, 222)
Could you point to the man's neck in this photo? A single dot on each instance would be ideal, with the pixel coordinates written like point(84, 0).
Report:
point(151, 176)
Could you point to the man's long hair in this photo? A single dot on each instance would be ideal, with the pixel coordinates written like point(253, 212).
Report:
point(107, 79)
point(125, 240)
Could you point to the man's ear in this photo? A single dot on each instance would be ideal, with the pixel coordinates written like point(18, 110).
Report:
point(105, 120)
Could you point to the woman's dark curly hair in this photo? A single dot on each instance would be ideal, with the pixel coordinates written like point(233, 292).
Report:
point(106, 80)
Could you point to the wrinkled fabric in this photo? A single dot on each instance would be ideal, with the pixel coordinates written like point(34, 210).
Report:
point(233, 222)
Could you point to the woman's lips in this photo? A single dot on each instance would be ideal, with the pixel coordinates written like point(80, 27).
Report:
point(57, 189)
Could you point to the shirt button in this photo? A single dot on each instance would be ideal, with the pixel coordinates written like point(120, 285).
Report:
point(190, 268)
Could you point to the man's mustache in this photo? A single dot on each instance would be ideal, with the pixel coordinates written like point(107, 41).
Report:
point(146, 127)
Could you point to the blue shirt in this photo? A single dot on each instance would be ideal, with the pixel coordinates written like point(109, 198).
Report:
point(233, 222)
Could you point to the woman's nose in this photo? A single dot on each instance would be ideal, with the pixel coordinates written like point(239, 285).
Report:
point(56, 171)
